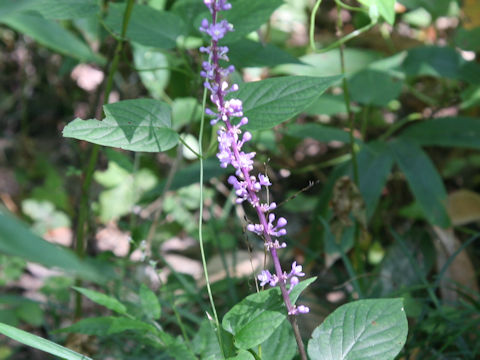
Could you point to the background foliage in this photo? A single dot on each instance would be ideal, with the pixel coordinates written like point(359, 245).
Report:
point(380, 186)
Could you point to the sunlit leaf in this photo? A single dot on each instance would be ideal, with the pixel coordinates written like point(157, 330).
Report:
point(361, 330)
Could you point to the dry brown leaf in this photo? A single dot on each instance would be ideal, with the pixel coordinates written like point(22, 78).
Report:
point(460, 273)
point(463, 206)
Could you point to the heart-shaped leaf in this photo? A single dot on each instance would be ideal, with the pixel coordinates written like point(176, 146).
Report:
point(361, 330)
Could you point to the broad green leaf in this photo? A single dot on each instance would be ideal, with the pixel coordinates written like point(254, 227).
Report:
point(386, 8)
point(149, 301)
point(318, 132)
point(17, 240)
point(375, 164)
point(460, 132)
point(205, 342)
point(255, 318)
point(247, 16)
point(9, 7)
point(281, 345)
point(136, 125)
point(147, 26)
point(435, 7)
point(361, 330)
point(269, 102)
point(328, 64)
point(65, 9)
point(50, 34)
point(373, 87)
point(102, 299)
point(151, 66)
point(433, 61)
point(40, 343)
point(423, 179)
point(258, 54)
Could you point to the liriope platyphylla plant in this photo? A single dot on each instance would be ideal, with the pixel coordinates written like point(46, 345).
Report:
point(231, 140)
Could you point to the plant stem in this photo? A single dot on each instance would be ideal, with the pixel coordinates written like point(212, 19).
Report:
point(80, 244)
point(200, 223)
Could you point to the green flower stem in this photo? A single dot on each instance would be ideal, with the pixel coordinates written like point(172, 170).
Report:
point(80, 244)
point(200, 225)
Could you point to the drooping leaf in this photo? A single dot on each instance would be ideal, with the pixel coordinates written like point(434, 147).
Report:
point(423, 179)
point(40, 343)
point(258, 54)
point(51, 35)
point(149, 301)
point(318, 132)
point(361, 330)
point(247, 16)
point(136, 125)
point(269, 102)
point(375, 164)
point(459, 131)
point(17, 240)
point(255, 318)
point(373, 87)
point(103, 299)
point(147, 26)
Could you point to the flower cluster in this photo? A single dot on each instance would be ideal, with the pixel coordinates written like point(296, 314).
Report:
point(231, 141)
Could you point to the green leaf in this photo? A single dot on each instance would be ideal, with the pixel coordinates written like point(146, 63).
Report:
point(149, 301)
point(329, 104)
point(433, 61)
point(255, 318)
point(65, 9)
point(423, 179)
point(102, 299)
point(247, 16)
point(386, 8)
point(373, 87)
point(361, 330)
point(459, 131)
point(121, 324)
point(40, 343)
point(50, 34)
point(136, 125)
point(468, 39)
point(9, 7)
point(328, 64)
point(17, 240)
point(90, 326)
point(147, 26)
point(156, 80)
point(375, 162)
point(258, 54)
point(242, 355)
point(281, 345)
point(269, 102)
point(318, 132)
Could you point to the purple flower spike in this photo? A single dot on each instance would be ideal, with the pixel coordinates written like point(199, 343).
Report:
point(230, 152)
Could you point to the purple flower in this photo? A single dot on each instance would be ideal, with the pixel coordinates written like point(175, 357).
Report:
point(231, 142)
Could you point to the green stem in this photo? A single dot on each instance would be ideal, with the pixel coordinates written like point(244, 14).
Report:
point(200, 224)
point(81, 229)
point(340, 41)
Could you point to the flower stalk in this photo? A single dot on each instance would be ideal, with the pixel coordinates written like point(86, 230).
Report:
point(231, 140)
